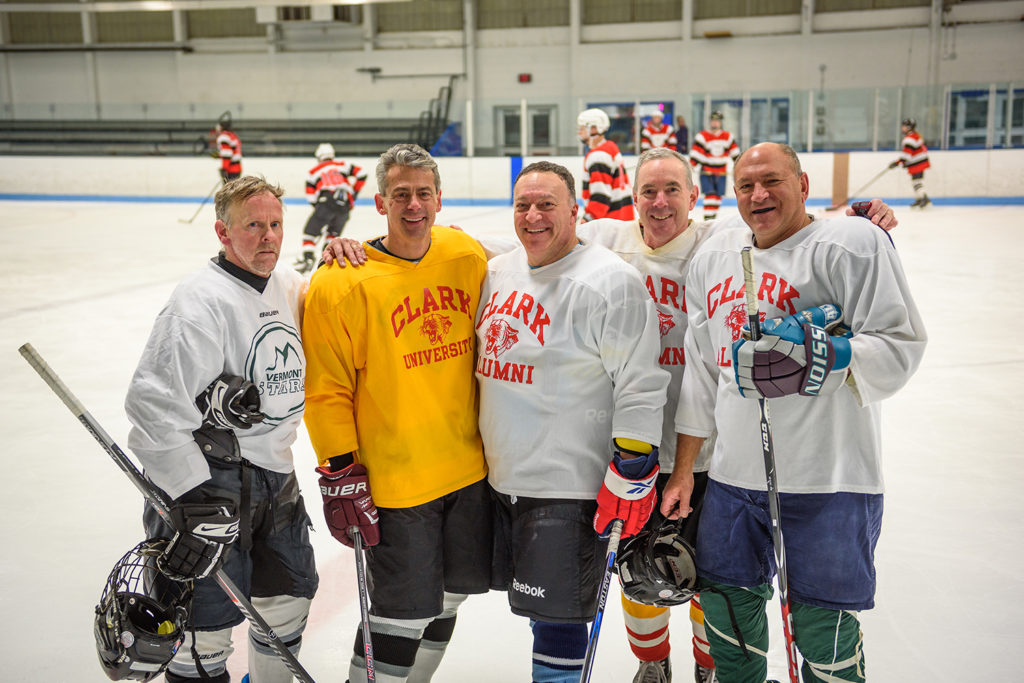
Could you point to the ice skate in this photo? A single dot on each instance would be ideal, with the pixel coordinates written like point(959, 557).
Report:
point(654, 672)
point(702, 674)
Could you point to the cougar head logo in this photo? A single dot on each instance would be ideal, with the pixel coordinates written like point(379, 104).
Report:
point(500, 337)
point(435, 327)
point(665, 323)
point(737, 318)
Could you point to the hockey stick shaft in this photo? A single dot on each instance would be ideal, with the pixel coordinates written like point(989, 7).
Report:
point(602, 599)
point(364, 601)
point(155, 498)
point(853, 195)
point(768, 451)
point(202, 204)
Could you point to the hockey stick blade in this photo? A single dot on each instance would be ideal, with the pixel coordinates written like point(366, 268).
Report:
point(156, 499)
point(602, 599)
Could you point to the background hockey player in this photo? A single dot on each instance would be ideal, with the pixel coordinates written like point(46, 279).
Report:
point(657, 133)
point(215, 404)
point(331, 187)
point(568, 345)
point(914, 158)
point(825, 426)
point(228, 150)
point(711, 151)
point(392, 407)
point(682, 135)
point(606, 192)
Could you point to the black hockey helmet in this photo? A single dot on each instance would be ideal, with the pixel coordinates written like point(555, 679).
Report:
point(140, 620)
point(716, 116)
point(658, 566)
point(910, 123)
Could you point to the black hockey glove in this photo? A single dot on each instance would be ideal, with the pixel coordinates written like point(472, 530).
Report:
point(894, 164)
point(230, 402)
point(197, 548)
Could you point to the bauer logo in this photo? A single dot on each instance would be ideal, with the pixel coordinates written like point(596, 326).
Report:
point(276, 365)
point(527, 589)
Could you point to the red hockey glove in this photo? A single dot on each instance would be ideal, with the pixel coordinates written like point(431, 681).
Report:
point(347, 504)
point(630, 500)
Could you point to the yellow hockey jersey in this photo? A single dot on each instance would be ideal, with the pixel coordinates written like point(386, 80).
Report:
point(390, 352)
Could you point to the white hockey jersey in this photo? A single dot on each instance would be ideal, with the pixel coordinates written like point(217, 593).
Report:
point(663, 271)
point(216, 323)
point(822, 444)
point(566, 361)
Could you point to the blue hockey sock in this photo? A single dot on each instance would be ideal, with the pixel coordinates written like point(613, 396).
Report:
point(558, 651)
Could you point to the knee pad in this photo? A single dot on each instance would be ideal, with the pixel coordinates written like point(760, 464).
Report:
point(830, 641)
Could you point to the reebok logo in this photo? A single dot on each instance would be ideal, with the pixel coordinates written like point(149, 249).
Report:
point(527, 589)
point(346, 490)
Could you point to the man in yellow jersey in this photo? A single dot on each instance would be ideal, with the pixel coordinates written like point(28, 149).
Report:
point(391, 410)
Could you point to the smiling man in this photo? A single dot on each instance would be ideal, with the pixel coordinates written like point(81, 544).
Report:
point(570, 412)
point(826, 427)
point(215, 404)
point(391, 409)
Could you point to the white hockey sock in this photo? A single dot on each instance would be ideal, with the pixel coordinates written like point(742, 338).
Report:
point(435, 640)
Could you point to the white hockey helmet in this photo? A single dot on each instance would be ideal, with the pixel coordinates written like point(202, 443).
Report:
point(324, 151)
point(594, 117)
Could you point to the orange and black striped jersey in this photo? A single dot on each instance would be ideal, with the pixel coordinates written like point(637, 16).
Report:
point(229, 149)
point(914, 156)
point(606, 190)
point(334, 176)
point(712, 150)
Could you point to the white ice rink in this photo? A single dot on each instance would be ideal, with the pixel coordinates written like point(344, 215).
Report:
point(83, 282)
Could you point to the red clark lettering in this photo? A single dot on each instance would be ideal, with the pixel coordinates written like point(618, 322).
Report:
point(440, 298)
point(518, 306)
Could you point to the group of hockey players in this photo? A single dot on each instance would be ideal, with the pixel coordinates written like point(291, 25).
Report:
point(486, 415)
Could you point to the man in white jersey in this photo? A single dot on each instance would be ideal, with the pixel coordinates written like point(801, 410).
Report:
point(659, 245)
point(570, 411)
point(214, 405)
point(825, 425)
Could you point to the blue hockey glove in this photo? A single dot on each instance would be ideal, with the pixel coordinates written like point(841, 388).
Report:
point(795, 355)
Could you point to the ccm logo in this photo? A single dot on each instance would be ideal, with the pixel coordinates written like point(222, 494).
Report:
point(346, 490)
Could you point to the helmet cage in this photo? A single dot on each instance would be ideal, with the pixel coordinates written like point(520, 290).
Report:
point(140, 619)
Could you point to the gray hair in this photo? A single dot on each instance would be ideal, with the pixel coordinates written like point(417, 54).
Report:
point(661, 153)
point(405, 154)
point(239, 190)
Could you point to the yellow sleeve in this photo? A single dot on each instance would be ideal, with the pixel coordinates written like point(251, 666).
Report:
point(335, 351)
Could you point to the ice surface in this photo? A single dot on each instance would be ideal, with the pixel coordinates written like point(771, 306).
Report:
point(83, 282)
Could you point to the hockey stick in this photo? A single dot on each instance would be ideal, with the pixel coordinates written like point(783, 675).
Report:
point(853, 195)
point(201, 204)
point(602, 599)
point(155, 498)
point(768, 450)
point(364, 602)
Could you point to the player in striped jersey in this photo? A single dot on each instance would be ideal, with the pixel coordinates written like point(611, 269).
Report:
point(229, 151)
point(711, 151)
point(914, 158)
point(606, 192)
point(657, 133)
point(331, 187)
